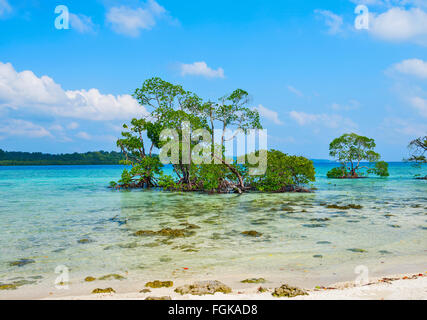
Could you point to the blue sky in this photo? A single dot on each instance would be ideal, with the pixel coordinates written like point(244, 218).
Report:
point(312, 74)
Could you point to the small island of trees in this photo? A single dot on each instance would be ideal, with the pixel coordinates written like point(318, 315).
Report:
point(170, 108)
point(352, 151)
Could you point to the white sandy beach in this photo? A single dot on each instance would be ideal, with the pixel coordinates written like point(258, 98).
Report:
point(395, 287)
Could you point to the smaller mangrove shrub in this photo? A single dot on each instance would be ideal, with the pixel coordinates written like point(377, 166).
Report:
point(418, 149)
point(352, 151)
point(284, 173)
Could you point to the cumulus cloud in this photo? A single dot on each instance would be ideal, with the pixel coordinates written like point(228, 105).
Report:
point(201, 69)
point(295, 91)
point(130, 21)
point(413, 67)
point(333, 21)
point(390, 3)
point(82, 23)
point(332, 121)
point(18, 127)
point(269, 114)
point(4, 7)
point(83, 135)
point(420, 105)
point(72, 125)
point(397, 127)
point(400, 24)
point(24, 90)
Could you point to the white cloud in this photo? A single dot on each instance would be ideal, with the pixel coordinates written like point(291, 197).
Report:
point(83, 135)
point(420, 105)
point(82, 23)
point(56, 127)
point(4, 7)
point(414, 67)
point(332, 20)
point(24, 90)
point(295, 91)
point(398, 25)
point(390, 3)
point(17, 127)
point(130, 21)
point(396, 127)
point(201, 69)
point(73, 125)
point(269, 114)
point(351, 105)
point(332, 121)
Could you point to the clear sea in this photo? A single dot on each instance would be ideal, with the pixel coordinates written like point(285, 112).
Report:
point(45, 211)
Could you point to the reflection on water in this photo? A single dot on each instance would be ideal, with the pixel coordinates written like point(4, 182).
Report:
point(66, 216)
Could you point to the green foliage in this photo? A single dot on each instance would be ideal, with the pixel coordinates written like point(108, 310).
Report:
point(337, 173)
point(381, 169)
point(284, 173)
point(351, 150)
point(170, 106)
point(211, 176)
point(167, 182)
point(37, 158)
point(418, 148)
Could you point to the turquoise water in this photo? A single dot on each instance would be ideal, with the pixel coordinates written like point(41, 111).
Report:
point(45, 211)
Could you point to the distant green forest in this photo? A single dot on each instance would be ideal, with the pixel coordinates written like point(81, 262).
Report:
point(41, 159)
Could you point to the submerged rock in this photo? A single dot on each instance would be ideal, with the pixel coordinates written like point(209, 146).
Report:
point(252, 233)
point(159, 298)
point(21, 262)
point(131, 245)
point(166, 232)
point(288, 291)
point(318, 256)
point(8, 286)
point(159, 284)
point(142, 233)
point(112, 277)
point(347, 207)
point(204, 287)
point(84, 241)
point(357, 250)
point(107, 290)
point(323, 242)
point(315, 225)
point(165, 259)
point(90, 279)
point(254, 280)
point(23, 282)
point(396, 226)
point(190, 226)
point(145, 291)
point(320, 219)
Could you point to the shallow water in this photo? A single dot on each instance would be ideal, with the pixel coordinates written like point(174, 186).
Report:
point(45, 211)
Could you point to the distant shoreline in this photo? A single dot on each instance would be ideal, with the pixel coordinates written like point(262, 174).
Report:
point(12, 158)
point(57, 164)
